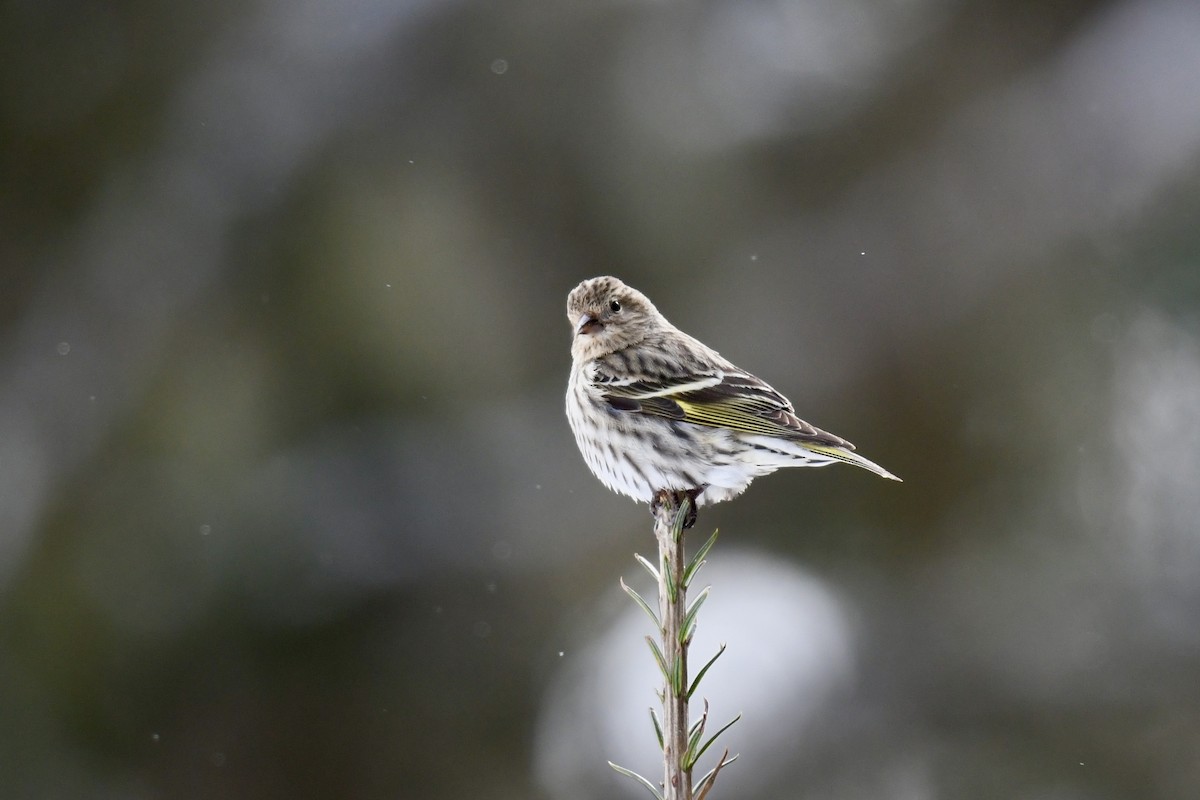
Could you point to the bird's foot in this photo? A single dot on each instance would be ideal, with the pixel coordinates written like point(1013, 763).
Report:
point(662, 499)
point(675, 500)
point(691, 495)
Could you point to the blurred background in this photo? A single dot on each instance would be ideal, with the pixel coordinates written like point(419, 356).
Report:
point(289, 506)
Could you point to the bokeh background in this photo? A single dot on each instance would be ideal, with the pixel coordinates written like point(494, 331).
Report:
point(288, 502)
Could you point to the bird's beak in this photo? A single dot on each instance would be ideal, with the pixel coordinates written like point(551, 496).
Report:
point(587, 324)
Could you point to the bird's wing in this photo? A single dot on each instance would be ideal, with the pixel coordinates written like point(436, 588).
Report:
point(720, 399)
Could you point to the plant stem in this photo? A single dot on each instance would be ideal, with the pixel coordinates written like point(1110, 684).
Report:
point(669, 513)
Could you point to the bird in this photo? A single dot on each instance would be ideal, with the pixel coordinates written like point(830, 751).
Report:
point(655, 410)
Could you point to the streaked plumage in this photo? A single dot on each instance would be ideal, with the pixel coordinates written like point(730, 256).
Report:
point(653, 408)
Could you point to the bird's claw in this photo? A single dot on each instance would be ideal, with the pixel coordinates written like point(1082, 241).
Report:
point(675, 500)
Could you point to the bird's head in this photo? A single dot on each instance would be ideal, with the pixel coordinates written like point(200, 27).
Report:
point(606, 316)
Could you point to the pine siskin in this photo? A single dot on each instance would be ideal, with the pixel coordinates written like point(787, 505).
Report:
point(653, 409)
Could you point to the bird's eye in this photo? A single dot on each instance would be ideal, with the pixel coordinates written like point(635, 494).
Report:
point(614, 306)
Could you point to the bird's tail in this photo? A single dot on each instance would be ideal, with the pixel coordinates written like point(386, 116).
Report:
point(849, 457)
